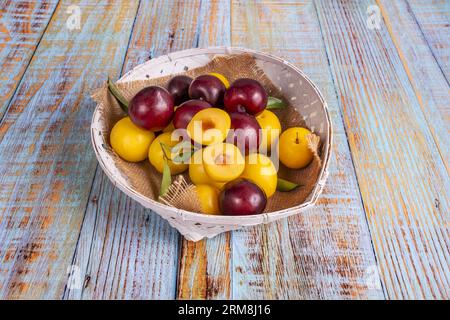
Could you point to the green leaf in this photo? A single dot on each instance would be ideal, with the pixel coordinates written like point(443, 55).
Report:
point(118, 95)
point(183, 151)
point(166, 180)
point(285, 185)
point(275, 103)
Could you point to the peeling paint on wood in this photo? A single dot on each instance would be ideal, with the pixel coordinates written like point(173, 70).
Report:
point(398, 164)
point(126, 251)
point(47, 164)
point(424, 74)
point(433, 18)
point(65, 231)
point(205, 269)
point(22, 24)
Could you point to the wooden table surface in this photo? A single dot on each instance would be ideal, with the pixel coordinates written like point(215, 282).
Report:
point(380, 230)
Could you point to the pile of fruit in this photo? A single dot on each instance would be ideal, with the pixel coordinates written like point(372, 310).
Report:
point(224, 135)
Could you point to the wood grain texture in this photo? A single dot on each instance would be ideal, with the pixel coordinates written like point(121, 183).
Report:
point(22, 24)
point(403, 180)
point(387, 90)
point(47, 165)
point(433, 17)
point(424, 74)
point(205, 269)
point(125, 251)
point(325, 252)
point(205, 266)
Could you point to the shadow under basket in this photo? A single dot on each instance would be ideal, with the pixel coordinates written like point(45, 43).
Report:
point(281, 79)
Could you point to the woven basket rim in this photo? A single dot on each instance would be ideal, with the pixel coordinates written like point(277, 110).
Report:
point(220, 219)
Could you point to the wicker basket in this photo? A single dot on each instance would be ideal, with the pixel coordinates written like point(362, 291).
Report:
point(291, 80)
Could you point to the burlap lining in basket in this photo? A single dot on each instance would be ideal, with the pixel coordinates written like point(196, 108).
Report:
point(146, 180)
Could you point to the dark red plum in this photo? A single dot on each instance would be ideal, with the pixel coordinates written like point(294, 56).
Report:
point(241, 198)
point(185, 112)
point(245, 95)
point(246, 134)
point(151, 108)
point(178, 87)
point(208, 88)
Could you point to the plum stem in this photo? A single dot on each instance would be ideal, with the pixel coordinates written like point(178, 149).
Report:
point(297, 141)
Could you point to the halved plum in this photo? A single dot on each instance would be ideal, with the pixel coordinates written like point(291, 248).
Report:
point(223, 162)
point(209, 126)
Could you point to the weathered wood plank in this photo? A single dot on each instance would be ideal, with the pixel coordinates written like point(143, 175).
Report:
point(433, 18)
point(22, 24)
point(326, 252)
point(424, 74)
point(47, 165)
point(124, 250)
point(205, 266)
point(403, 180)
point(205, 269)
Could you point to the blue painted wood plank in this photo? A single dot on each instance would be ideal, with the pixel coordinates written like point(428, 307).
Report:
point(124, 251)
point(46, 161)
point(22, 24)
point(423, 71)
point(433, 18)
point(402, 176)
point(325, 253)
